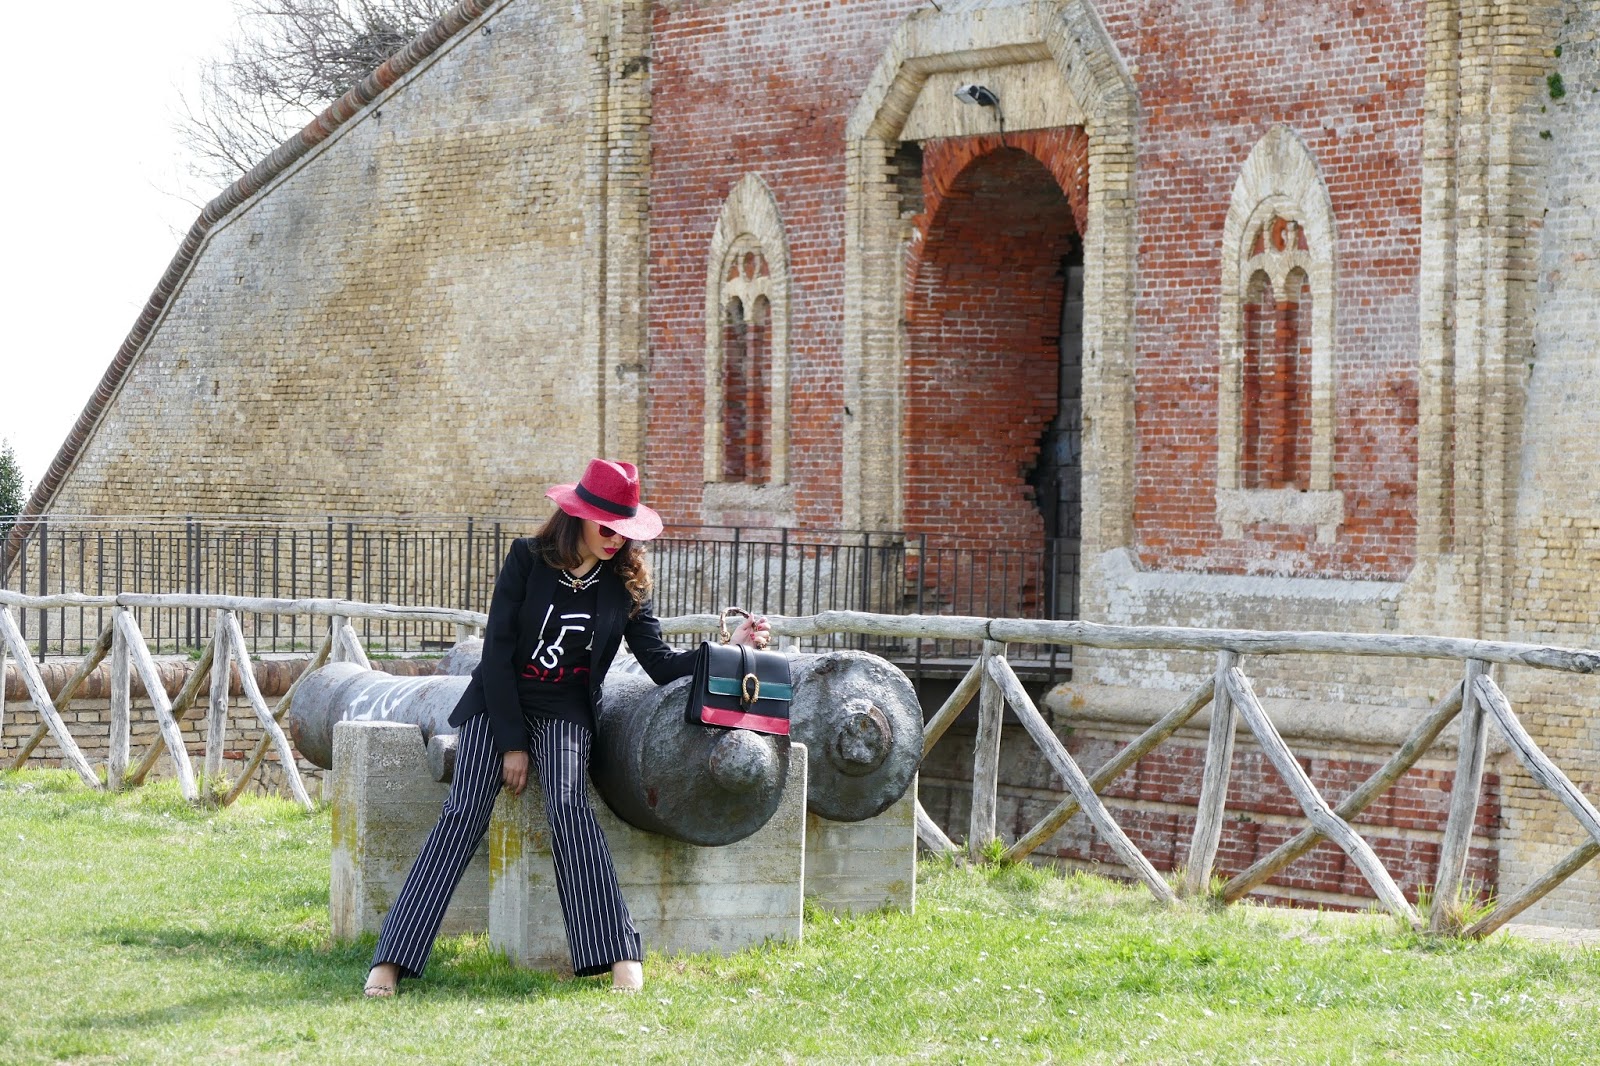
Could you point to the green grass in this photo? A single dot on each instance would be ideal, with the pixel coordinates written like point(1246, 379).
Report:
point(135, 929)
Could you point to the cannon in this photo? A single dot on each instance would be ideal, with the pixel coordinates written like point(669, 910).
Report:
point(347, 692)
point(857, 714)
point(690, 782)
point(860, 720)
point(654, 770)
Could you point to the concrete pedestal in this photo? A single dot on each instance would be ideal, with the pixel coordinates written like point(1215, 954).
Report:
point(864, 866)
point(683, 898)
point(385, 802)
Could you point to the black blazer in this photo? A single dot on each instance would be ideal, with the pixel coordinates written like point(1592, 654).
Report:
point(523, 590)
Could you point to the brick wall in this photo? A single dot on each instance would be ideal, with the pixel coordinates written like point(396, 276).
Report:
point(1154, 802)
point(1557, 519)
point(983, 321)
point(761, 88)
point(1212, 78)
point(406, 321)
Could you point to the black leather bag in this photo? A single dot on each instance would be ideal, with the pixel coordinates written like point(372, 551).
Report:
point(740, 687)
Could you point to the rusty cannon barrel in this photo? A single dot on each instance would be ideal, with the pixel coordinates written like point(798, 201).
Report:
point(342, 692)
point(666, 775)
point(861, 723)
point(656, 771)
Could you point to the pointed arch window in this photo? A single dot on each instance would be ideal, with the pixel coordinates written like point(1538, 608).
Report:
point(746, 447)
point(1275, 397)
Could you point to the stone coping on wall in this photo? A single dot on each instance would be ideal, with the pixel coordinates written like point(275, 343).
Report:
point(1320, 723)
point(274, 675)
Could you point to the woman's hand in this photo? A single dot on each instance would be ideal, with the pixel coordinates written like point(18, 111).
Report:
point(514, 771)
point(753, 632)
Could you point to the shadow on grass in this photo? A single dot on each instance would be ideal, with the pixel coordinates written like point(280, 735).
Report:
point(301, 968)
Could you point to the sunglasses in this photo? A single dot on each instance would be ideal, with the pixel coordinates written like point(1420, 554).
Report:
point(606, 532)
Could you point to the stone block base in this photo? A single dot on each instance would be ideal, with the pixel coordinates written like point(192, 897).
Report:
point(683, 898)
point(385, 802)
point(864, 866)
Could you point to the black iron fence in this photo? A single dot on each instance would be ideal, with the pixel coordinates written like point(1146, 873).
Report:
point(453, 563)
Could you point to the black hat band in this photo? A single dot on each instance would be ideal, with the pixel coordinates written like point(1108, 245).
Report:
point(620, 510)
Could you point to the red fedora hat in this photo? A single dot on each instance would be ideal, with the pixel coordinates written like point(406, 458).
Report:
point(609, 494)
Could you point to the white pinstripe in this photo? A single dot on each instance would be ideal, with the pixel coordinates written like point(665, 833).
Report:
point(599, 929)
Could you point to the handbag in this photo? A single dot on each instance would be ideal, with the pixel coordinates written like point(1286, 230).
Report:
point(740, 687)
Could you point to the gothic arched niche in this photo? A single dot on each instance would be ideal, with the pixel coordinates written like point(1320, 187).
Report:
point(746, 443)
point(1275, 417)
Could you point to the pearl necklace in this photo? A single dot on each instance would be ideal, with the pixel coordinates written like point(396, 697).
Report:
point(578, 584)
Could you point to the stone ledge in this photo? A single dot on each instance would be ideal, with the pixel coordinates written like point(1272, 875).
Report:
point(1237, 508)
point(740, 503)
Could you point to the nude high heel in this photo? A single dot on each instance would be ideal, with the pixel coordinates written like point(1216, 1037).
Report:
point(627, 976)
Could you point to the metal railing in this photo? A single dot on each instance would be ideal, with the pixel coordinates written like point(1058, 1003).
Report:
point(453, 563)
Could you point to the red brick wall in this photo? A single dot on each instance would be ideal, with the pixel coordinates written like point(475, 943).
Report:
point(766, 88)
point(983, 317)
point(1213, 77)
point(1154, 804)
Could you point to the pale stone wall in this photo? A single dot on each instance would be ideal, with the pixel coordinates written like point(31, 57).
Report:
point(421, 316)
point(1557, 521)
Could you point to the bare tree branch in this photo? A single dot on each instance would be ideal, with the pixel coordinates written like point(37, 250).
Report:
point(288, 61)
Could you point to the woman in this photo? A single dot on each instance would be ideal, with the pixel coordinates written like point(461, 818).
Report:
point(562, 604)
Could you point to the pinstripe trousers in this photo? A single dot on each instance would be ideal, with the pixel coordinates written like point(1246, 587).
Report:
point(599, 928)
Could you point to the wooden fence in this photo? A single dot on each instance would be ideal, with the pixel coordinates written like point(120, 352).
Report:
point(1475, 699)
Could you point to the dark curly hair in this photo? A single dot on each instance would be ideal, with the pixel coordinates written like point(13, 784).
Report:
point(557, 544)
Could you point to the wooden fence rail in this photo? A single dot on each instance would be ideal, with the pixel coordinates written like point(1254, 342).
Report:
point(1476, 700)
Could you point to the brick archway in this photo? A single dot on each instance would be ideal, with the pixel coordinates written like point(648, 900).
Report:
point(985, 284)
point(1060, 68)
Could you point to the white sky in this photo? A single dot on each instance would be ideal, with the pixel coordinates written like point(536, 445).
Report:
point(93, 190)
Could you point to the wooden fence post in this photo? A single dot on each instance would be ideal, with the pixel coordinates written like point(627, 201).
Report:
point(349, 645)
point(986, 754)
point(269, 723)
point(121, 710)
point(180, 707)
point(1061, 760)
point(1317, 810)
point(1464, 795)
point(171, 732)
point(101, 649)
point(1214, 786)
point(1416, 745)
point(5, 651)
point(217, 708)
point(335, 626)
point(10, 634)
point(254, 761)
point(1112, 769)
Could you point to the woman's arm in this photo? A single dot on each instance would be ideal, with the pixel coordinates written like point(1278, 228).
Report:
point(498, 670)
point(662, 663)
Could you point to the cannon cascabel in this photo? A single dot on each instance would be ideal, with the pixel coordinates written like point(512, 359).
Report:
point(861, 723)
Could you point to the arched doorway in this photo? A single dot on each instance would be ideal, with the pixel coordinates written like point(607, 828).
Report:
point(993, 373)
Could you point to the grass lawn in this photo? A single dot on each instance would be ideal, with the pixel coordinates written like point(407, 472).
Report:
point(135, 929)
